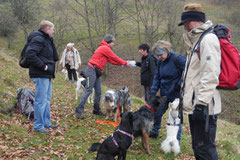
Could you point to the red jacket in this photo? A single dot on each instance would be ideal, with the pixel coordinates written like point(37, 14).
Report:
point(104, 54)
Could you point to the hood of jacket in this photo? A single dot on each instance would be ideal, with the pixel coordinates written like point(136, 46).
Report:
point(104, 43)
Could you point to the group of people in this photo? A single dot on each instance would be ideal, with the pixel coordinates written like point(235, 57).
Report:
point(194, 78)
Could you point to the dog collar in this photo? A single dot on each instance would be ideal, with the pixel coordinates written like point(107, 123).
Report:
point(174, 121)
point(150, 107)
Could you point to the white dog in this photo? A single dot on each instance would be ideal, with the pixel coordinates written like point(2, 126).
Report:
point(81, 84)
point(65, 72)
point(171, 144)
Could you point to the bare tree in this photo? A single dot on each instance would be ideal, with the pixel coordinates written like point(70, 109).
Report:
point(26, 11)
point(8, 27)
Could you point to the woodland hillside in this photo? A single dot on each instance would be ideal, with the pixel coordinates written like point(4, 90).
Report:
point(85, 22)
point(73, 137)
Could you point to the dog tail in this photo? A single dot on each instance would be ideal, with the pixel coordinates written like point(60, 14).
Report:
point(94, 147)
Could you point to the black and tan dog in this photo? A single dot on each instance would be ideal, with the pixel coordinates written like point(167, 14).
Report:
point(143, 119)
point(118, 143)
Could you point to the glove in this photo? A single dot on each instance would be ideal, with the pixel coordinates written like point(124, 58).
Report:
point(138, 64)
point(198, 112)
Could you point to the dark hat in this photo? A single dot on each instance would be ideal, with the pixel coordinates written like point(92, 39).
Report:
point(109, 38)
point(192, 16)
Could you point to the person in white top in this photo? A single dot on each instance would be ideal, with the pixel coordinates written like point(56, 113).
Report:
point(71, 60)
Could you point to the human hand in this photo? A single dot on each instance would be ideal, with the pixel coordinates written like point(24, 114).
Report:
point(128, 64)
point(198, 112)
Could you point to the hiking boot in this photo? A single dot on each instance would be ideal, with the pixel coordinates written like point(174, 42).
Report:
point(42, 131)
point(79, 115)
point(100, 113)
point(53, 126)
point(153, 135)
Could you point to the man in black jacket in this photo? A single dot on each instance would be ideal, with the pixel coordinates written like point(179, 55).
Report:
point(148, 68)
point(42, 56)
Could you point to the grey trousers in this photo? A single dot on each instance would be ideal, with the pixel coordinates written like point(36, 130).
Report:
point(92, 82)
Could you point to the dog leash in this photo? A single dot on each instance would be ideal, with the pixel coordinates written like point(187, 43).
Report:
point(109, 123)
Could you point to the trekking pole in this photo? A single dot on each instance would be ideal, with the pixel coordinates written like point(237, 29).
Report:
point(181, 109)
point(207, 120)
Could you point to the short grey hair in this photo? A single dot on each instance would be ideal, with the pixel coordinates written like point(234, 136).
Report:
point(109, 38)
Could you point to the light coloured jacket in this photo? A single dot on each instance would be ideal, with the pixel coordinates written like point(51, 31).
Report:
point(77, 58)
point(202, 75)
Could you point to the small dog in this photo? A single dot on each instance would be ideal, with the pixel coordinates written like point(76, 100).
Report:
point(118, 143)
point(81, 86)
point(108, 101)
point(65, 72)
point(143, 119)
point(171, 144)
point(111, 99)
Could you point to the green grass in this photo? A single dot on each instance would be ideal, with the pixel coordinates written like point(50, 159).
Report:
point(74, 137)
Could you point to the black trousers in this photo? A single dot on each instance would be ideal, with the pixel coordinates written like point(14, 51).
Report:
point(146, 92)
point(71, 72)
point(203, 143)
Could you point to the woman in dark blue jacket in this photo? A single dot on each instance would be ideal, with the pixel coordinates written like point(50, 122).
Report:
point(168, 79)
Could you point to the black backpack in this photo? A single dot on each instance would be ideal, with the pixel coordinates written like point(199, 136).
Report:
point(23, 59)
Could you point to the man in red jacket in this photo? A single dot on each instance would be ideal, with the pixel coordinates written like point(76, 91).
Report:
point(96, 64)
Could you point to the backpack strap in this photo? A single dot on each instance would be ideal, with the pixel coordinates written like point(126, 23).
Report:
point(176, 62)
point(197, 45)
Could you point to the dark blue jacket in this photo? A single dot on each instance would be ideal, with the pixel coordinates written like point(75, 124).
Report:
point(40, 52)
point(167, 77)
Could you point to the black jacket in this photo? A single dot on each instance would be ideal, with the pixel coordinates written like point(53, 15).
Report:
point(148, 68)
point(40, 52)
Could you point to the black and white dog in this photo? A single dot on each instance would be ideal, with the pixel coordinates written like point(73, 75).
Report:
point(171, 144)
point(81, 86)
point(111, 99)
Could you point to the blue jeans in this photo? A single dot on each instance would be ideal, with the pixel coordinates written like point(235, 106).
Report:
point(158, 120)
point(43, 89)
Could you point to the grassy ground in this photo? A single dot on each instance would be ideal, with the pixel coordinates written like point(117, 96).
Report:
point(74, 137)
